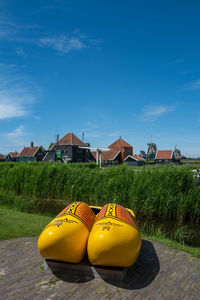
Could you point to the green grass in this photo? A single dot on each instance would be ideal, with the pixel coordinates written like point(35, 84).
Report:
point(14, 224)
point(191, 250)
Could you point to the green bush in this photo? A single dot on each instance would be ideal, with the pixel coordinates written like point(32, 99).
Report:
point(168, 192)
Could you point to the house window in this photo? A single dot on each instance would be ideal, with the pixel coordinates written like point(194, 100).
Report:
point(128, 152)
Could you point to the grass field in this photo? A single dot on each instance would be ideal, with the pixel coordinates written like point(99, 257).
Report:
point(15, 224)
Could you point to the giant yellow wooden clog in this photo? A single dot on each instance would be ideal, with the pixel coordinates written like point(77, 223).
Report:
point(114, 239)
point(65, 237)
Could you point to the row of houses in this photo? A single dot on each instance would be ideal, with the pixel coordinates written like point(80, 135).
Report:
point(71, 149)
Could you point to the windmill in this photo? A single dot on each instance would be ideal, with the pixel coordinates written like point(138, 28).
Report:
point(152, 148)
point(99, 151)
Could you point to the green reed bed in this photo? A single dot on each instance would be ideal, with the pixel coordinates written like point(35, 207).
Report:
point(168, 192)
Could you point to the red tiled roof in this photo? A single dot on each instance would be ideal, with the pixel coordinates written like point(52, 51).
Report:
point(119, 143)
point(70, 139)
point(135, 157)
point(13, 154)
point(2, 156)
point(28, 151)
point(164, 154)
point(107, 155)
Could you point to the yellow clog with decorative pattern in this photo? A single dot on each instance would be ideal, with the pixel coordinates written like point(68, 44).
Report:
point(114, 239)
point(65, 237)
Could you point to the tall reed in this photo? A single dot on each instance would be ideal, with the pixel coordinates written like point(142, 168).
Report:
point(168, 192)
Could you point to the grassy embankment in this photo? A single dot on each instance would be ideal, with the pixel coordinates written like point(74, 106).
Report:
point(14, 224)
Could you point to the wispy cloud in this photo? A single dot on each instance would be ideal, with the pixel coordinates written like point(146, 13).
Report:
point(114, 134)
point(151, 113)
point(185, 72)
point(179, 61)
point(61, 42)
point(15, 93)
point(194, 85)
point(65, 44)
point(9, 110)
point(91, 125)
point(18, 132)
point(20, 51)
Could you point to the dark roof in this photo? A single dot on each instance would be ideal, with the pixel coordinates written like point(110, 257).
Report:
point(70, 139)
point(28, 151)
point(164, 154)
point(135, 157)
point(120, 143)
point(107, 155)
point(2, 156)
point(13, 154)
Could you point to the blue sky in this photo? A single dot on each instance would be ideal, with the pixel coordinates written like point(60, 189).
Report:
point(105, 68)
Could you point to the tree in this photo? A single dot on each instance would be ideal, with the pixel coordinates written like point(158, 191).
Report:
point(50, 145)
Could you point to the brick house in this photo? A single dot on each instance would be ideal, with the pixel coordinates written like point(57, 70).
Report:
point(68, 149)
point(122, 146)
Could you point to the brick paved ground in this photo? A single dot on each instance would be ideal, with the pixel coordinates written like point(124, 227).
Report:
point(159, 273)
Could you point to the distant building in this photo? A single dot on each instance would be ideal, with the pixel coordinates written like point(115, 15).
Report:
point(166, 157)
point(122, 146)
point(31, 154)
point(69, 149)
point(134, 160)
point(2, 158)
point(12, 156)
point(109, 157)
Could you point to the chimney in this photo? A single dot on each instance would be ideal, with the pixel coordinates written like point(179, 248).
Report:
point(32, 144)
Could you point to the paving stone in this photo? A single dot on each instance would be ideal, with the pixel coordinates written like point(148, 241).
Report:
point(159, 273)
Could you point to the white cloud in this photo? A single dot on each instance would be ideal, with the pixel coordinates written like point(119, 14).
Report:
point(195, 85)
point(152, 112)
point(9, 110)
point(18, 132)
point(15, 93)
point(62, 43)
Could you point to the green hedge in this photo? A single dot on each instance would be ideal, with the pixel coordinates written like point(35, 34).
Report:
point(162, 191)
